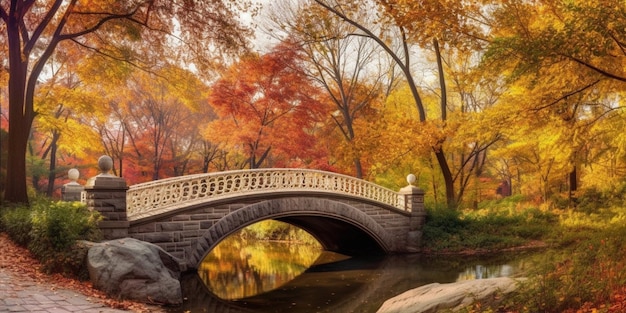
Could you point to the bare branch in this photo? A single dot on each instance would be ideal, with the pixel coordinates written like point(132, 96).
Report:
point(567, 95)
point(3, 15)
point(595, 68)
point(98, 25)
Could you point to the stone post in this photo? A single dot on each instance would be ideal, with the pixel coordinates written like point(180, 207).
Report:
point(414, 202)
point(106, 194)
point(72, 190)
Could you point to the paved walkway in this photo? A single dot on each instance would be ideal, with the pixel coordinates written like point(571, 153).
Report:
point(25, 295)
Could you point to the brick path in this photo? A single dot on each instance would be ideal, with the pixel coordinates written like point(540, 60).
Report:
point(25, 295)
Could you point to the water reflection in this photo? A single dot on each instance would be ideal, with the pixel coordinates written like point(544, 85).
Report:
point(480, 272)
point(334, 283)
point(237, 269)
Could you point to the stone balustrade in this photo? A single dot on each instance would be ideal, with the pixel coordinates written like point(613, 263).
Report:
point(188, 215)
point(158, 197)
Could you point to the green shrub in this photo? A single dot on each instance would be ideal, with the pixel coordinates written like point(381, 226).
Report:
point(504, 203)
point(50, 230)
point(485, 229)
point(443, 229)
point(16, 221)
point(56, 228)
point(591, 200)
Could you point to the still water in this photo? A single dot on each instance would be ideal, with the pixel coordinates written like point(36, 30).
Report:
point(286, 277)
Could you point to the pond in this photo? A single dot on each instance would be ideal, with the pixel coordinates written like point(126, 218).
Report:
point(262, 276)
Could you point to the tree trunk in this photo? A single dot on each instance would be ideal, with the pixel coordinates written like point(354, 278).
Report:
point(21, 118)
point(441, 156)
point(447, 178)
point(16, 162)
point(573, 185)
point(52, 173)
point(358, 167)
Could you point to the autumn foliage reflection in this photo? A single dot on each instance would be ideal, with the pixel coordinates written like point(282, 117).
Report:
point(245, 265)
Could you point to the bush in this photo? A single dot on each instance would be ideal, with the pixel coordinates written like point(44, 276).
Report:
point(443, 229)
point(591, 200)
point(51, 230)
point(487, 229)
point(16, 221)
point(56, 228)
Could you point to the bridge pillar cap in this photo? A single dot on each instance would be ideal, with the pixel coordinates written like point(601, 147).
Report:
point(105, 163)
point(411, 179)
point(73, 175)
point(410, 188)
point(105, 180)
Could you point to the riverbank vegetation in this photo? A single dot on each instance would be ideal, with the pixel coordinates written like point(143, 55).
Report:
point(582, 266)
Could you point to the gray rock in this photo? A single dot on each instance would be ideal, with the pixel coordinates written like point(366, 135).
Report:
point(132, 269)
point(453, 296)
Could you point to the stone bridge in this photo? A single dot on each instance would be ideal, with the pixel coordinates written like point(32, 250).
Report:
point(187, 216)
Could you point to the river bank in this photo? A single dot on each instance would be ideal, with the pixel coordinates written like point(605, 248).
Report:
point(19, 271)
point(16, 262)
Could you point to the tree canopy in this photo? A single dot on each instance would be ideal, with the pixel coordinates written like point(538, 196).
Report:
point(466, 95)
point(141, 33)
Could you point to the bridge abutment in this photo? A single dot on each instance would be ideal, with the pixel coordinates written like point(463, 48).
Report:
point(414, 201)
point(106, 194)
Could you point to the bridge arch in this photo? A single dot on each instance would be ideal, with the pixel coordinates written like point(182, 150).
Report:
point(187, 216)
point(338, 226)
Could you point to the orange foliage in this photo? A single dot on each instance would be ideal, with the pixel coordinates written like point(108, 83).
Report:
point(268, 110)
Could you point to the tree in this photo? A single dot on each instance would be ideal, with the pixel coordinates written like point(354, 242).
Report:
point(160, 120)
point(444, 21)
point(569, 57)
point(35, 29)
point(584, 36)
point(58, 133)
point(148, 122)
point(343, 64)
point(267, 109)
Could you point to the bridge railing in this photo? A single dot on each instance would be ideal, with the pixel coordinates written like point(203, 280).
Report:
point(156, 197)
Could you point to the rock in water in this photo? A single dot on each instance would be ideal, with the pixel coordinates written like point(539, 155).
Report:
point(435, 297)
point(132, 269)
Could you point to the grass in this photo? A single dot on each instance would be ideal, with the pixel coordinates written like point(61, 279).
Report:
point(487, 229)
point(581, 269)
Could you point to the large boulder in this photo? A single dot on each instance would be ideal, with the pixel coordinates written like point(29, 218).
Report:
point(452, 296)
point(132, 269)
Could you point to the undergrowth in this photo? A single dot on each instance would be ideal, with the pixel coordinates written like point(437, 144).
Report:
point(490, 228)
point(51, 230)
point(582, 268)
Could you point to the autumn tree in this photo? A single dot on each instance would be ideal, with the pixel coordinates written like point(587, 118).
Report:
point(160, 121)
point(149, 122)
point(350, 68)
point(569, 59)
point(58, 133)
point(267, 110)
point(138, 32)
point(426, 24)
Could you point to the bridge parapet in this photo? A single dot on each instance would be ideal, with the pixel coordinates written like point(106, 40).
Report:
point(188, 215)
point(162, 196)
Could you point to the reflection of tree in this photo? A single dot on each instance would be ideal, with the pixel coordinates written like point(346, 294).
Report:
point(236, 269)
point(353, 285)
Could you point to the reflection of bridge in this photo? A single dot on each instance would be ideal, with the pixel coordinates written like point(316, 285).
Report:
point(187, 216)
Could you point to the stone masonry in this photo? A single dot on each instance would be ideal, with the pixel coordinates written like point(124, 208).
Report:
point(189, 233)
